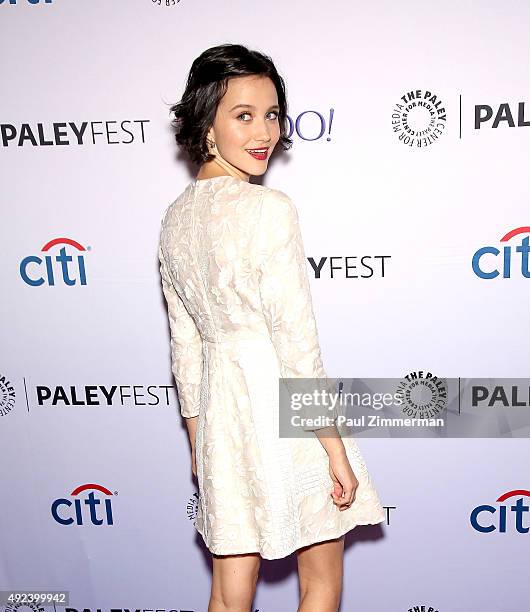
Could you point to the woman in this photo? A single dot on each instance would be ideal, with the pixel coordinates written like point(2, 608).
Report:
point(234, 276)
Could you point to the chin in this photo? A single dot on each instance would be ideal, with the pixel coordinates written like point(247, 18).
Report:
point(258, 172)
point(257, 169)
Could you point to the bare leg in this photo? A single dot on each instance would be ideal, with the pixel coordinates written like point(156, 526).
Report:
point(320, 569)
point(234, 582)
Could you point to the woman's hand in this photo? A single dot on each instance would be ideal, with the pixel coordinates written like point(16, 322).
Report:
point(193, 462)
point(344, 480)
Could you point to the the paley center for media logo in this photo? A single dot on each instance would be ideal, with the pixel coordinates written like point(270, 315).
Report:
point(7, 395)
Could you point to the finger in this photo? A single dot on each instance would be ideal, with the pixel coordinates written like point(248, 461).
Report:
point(347, 495)
point(336, 499)
point(348, 498)
point(346, 506)
point(337, 491)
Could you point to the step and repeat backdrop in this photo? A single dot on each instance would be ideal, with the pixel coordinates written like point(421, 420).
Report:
point(410, 172)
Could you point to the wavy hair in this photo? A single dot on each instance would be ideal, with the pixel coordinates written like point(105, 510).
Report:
point(206, 84)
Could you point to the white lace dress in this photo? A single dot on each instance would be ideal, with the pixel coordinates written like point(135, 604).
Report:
point(234, 276)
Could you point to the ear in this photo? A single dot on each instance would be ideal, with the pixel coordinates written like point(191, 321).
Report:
point(210, 136)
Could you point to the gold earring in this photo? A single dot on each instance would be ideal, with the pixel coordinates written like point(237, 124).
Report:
point(211, 144)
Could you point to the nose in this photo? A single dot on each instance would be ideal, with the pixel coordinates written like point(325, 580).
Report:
point(263, 132)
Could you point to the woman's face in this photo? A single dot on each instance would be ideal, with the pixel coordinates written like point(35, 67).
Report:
point(247, 119)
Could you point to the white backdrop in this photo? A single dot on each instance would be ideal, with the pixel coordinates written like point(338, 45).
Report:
point(86, 395)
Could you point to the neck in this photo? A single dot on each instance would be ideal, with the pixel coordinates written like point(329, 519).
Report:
point(220, 167)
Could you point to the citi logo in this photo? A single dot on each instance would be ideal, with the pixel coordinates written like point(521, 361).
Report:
point(488, 263)
point(486, 518)
point(51, 268)
point(84, 509)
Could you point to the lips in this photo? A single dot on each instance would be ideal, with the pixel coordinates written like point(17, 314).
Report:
point(260, 153)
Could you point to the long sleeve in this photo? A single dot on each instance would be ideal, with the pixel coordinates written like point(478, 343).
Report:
point(186, 345)
point(286, 295)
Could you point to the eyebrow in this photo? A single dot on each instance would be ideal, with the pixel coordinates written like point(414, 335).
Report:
point(250, 106)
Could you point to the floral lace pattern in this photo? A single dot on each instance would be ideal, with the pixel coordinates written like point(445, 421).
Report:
point(234, 276)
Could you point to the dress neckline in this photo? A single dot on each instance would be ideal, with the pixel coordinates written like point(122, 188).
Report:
point(221, 176)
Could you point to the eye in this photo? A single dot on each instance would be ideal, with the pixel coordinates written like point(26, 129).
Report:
point(275, 113)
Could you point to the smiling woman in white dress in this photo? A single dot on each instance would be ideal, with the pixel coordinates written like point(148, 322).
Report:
point(234, 275)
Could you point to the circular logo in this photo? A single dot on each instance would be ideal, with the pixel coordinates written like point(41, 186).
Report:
point(419, 118)
point(165, 2)
point(191, 507)
point(26, 604)
point(424, 395)
point(7, 396)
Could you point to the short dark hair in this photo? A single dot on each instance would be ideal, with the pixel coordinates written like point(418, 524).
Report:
point(206, 85)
